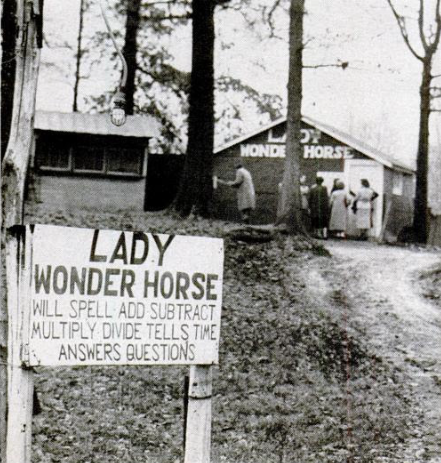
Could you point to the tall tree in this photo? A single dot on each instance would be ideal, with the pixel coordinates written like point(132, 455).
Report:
point(78, 58)
point(162, 90)
point(290, 201)
point(196, 188)
point(425, 51)
point(130, 50)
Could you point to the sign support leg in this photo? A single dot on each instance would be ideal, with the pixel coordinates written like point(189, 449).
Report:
point(198, 435)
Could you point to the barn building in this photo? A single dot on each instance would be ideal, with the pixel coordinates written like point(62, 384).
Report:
point(327, 152)
point(83, 161)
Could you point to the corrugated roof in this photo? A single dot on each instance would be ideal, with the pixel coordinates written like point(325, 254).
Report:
point(96, 124)
point(360, 146)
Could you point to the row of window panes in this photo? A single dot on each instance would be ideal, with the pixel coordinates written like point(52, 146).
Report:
point(90, 159)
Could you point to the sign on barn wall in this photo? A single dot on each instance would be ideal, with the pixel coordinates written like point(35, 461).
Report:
point(102, 297)
point(313, 147)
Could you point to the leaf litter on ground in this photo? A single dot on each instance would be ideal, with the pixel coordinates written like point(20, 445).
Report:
point(296, 381)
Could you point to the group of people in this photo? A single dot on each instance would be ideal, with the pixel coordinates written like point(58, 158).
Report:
point(322, 212)
point(330, 213)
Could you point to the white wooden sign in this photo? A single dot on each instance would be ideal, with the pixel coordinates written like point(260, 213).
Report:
point(103, 297)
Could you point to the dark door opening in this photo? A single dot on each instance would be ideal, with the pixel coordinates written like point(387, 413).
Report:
point(163, 175)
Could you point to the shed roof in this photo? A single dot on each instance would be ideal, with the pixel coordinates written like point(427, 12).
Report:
point(349, 140)
point(96, 124)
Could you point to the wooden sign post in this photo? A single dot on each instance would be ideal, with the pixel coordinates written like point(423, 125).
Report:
point(198, 435)
point(106, 297)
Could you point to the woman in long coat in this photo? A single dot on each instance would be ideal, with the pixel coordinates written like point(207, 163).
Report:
point(246, 196)
point(339, 214)
point(363, 203)
point(318, 200)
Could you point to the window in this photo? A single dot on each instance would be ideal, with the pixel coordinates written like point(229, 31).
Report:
point(88, 159)
point(124, 161)
point(53, 156)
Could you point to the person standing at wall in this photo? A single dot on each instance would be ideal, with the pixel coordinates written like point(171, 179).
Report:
point(319, 208)
point(304, 193)
point(363, 208)
point(339, 203)
point(246, 196)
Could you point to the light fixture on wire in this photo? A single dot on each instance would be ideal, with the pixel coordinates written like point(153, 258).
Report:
point(118, 112)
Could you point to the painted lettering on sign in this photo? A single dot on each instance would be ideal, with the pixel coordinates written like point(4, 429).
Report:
point(310, 138)
point(307, 136)
point(262, 151)
point(309, 151)
point(100, 297)
point(327, 152)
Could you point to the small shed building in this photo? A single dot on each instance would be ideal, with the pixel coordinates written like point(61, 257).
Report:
point(84, 161)
point(327, 152)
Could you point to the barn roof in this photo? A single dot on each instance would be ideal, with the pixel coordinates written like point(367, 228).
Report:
point(349, 140)
point(96, 124)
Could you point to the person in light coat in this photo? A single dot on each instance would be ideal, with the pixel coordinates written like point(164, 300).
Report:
point(363, 207)
point(246, 196)
point(339, 215)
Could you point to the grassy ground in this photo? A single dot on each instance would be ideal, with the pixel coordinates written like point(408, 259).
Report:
point(296, 381)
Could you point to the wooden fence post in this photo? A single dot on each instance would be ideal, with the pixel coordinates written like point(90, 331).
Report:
point(198, 435)
point(20, 379)
point(13, 179)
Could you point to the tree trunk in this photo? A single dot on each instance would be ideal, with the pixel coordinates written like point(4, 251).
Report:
point(421, 213)
point(78, 59)
point(13, 180)
point(290, 201)
point(130, 51)
point(196, 187)
point(9, 31)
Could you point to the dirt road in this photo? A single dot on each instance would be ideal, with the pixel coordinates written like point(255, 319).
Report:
point(381, 287)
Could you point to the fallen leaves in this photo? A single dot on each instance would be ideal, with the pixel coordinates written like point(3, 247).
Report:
point(295, 382)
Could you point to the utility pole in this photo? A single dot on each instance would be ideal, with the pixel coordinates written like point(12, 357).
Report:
point(13, 178)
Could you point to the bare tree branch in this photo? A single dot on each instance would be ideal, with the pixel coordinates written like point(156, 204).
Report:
point(271, 14)
point(170, 17)
point(54, 45)
point(435, 92)
point(402, 25)
point(421, 26)
point(165, 2)
point(435, 43)
point(342, 64)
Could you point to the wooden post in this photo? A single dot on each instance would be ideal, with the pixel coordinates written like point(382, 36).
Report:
point(198, 435)
point(186, 386)
point(20, 379)
point(13, 178)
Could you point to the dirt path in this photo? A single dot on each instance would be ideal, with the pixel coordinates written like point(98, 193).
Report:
point(381, 286)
